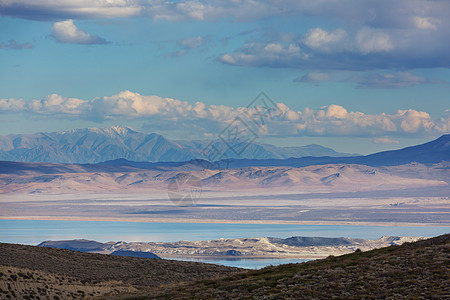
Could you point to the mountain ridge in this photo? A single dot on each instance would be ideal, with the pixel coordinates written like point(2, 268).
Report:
point(94, 145)
point(435, 151)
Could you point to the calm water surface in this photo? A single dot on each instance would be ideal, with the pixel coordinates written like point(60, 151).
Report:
point(246, 263)
point(33, 232)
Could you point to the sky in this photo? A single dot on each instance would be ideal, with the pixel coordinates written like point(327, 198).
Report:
point(357, 76)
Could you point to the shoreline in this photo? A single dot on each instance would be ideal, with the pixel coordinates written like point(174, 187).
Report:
point(219, 221)
point(236, 258)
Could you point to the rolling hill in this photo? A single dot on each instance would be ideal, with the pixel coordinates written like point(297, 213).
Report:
point(412, 270)
point(29, 272)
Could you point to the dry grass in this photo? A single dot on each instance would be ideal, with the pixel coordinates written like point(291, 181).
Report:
point(70, 274)
point(417, 270)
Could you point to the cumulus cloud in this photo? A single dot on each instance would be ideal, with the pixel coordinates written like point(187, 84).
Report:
point(12, 44)
point(266, 54)
point(172, 114)
point(383, 34)
point(335, 120)
point(377, 35)
point(56, 104)
point(320, 39)
point(66, 32)
point(313, 78)
point(319, 48)
point(364, 49)
point(12, 105)
point(412, 120)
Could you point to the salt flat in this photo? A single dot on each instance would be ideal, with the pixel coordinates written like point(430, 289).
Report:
point(324, 194)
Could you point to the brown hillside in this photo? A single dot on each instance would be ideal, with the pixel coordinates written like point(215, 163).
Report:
point(28, 270)
point(417, 270)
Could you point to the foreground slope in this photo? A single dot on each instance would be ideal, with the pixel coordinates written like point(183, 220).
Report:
point(30, 270)
point(413, 270)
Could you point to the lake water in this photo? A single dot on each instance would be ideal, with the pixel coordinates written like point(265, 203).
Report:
point(32, 232)
point(252, 263)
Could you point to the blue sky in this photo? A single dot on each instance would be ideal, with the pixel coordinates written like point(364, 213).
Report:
point(358, 76)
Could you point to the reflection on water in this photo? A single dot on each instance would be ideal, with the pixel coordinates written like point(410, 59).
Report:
point(246, 263)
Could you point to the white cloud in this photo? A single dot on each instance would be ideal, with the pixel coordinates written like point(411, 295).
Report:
point(370, 40)
point(334, 111)
point(320, 39)
point(384, 140)
point(365, 48)
point(426, 23)
point(171, 114)
point(412, 120)
point(335, 120)
point(313, 78)
point(67, 32)
point(265, 54)
point(12, 104)
point(56, 104)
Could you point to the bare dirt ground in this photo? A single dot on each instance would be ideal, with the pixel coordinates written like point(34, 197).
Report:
point(396, 207)
point(412, 194)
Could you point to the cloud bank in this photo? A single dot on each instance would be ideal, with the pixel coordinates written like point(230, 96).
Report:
point(374, 34)
point(355, 49)
point(171, 114)
point(54, 10)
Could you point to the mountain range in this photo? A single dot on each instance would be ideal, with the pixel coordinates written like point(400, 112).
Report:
point(435, 151)
point(417, 166)
point(93, 145)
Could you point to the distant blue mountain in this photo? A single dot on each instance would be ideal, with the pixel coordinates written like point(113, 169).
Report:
point(432, 152)
point(135, 254)
point(94, 145)
point(88, 246)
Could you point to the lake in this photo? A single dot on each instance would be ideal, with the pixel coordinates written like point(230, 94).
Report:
point(33, 232)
